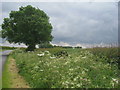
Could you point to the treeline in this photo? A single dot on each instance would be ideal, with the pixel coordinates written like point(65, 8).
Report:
point(7, 47)
point(48, 45)
point(67, 46)
point(10, 48)
point(44, 45)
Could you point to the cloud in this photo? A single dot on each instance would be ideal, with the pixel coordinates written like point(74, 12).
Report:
point(63, 44)
point(75, 23)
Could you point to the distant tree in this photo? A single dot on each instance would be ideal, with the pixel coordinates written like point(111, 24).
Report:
point(29, 25)
point(45, 45)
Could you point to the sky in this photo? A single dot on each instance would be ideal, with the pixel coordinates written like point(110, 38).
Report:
point(76, 23)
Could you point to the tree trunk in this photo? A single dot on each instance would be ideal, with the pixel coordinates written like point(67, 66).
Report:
point(31, 47)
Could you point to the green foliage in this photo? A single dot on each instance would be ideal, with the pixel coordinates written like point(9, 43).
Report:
point(28, 25)
point(6, 76)
point(11, 48)
point(62, 54)
point(112, 54)
point(45, 45)
point(78, 70)
point(7, 48)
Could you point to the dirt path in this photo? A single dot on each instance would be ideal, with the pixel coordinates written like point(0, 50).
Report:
point(17, 80)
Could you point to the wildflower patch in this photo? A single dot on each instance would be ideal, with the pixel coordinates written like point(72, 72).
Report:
point(77, 69)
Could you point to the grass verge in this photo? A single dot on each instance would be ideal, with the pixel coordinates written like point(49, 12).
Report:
point(11, 78)
point(6, 76)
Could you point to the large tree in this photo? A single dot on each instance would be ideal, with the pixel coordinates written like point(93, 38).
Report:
point(28, 25)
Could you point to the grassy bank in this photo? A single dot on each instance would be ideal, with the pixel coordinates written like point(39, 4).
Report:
point(11, 78)
point(6, 76)
point(49, 68)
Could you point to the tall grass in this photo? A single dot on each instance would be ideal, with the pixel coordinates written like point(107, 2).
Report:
point(78, 70)
point(110, 55)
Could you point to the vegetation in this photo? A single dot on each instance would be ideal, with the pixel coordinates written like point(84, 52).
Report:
point(52, 66)
point(11, 77)
point(28, 25)
point(45, 45)
point(6, 77)
point(3, 48)
point(78, 68)
point(7, 48)
point(67, 46)
point(110, 55)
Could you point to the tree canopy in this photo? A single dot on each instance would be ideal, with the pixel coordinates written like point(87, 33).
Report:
point(28, 25)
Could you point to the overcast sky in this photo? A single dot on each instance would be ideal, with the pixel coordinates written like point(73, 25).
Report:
point(77, 23)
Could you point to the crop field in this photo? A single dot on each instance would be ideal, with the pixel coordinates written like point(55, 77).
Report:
point(66, 68)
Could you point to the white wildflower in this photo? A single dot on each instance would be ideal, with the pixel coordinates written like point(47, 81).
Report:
point(85, 69)
point(104, 77)
point(54, 66)
point(69, 55)
point(61, 57)
point(84, 57)
point(66, 82)
point(36, 67)
point(112, 83)
point(63, 83)
point(41, 70)
point(47, 51)
point(71, 69)
point(115, 80)
point(66, 63)
point(83, 72)
point(75, 78)
point(30, 51)
point(41, 54)
point(52, 57)
point(40, 61)
point(78, 85)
